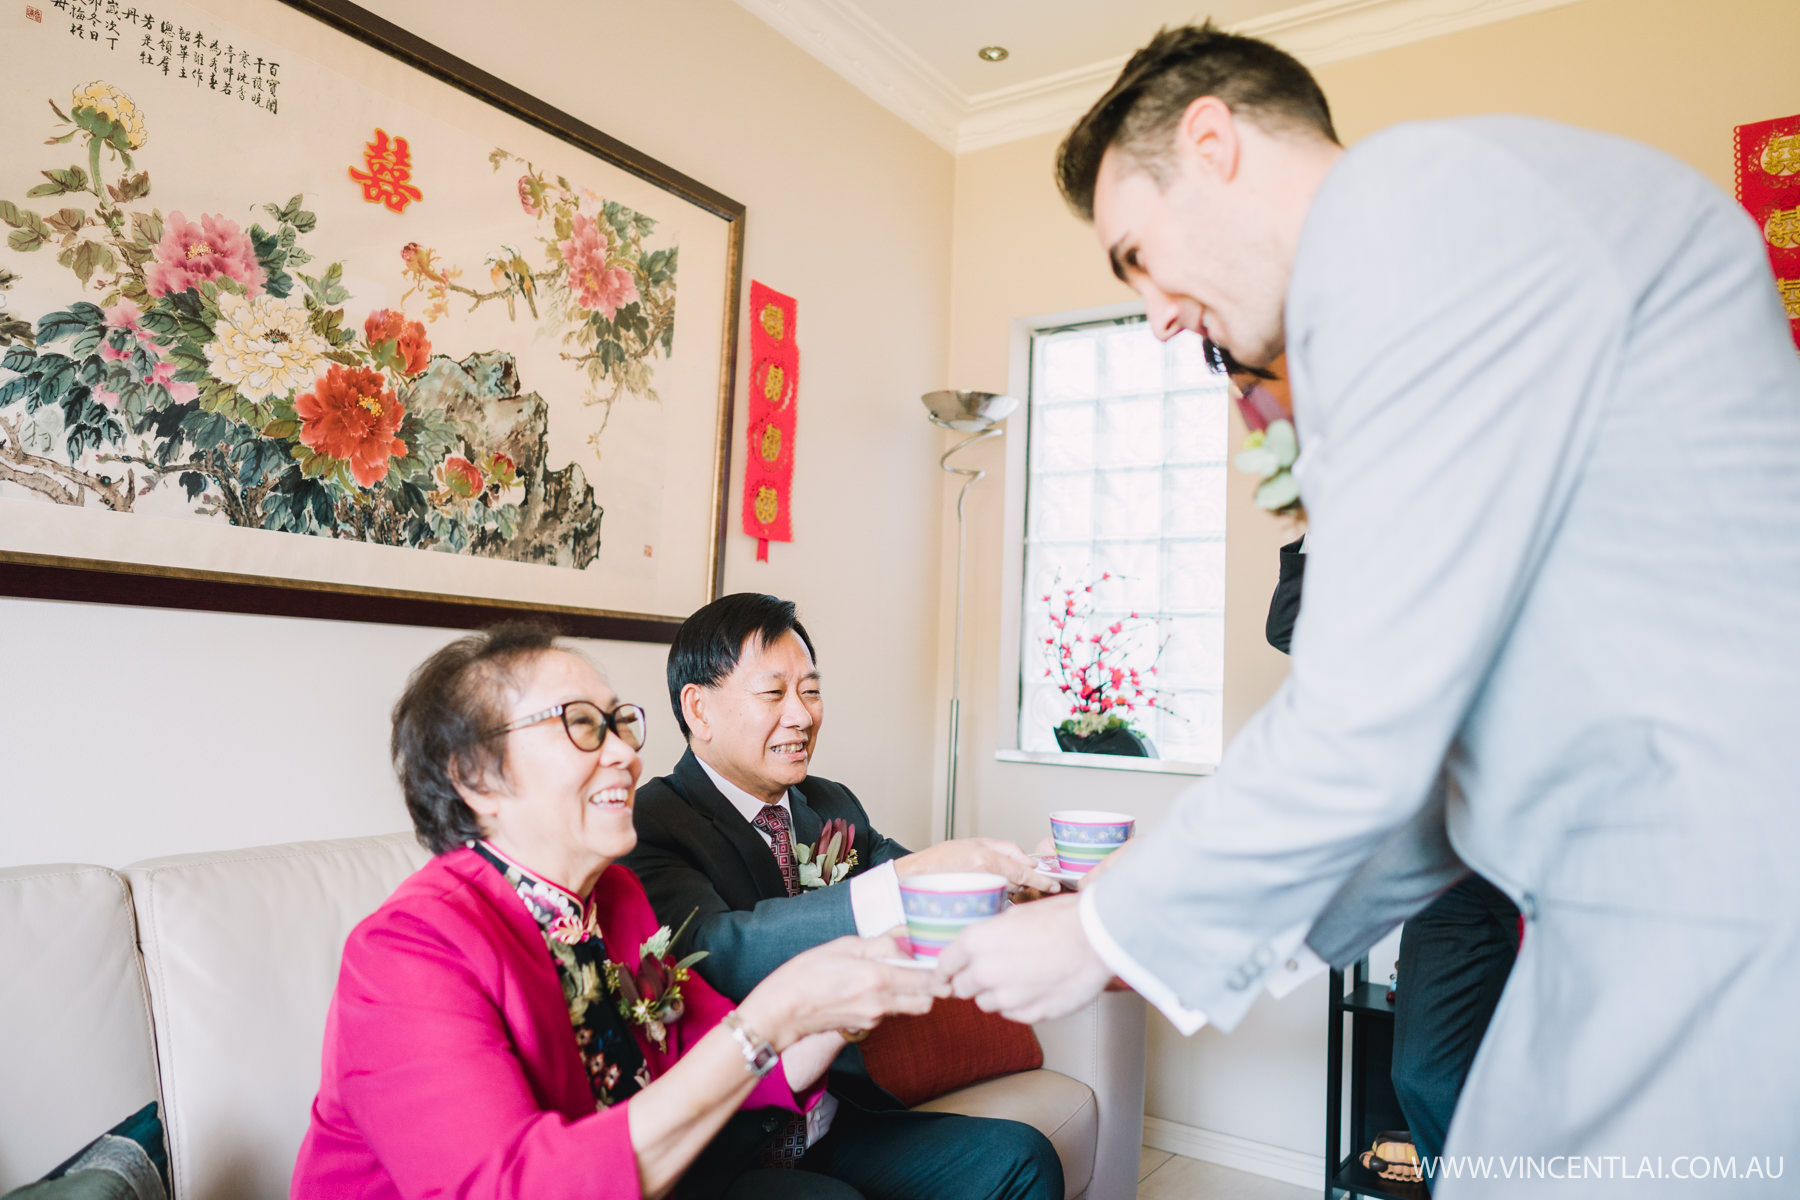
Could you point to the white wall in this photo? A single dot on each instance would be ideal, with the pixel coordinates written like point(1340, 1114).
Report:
point(133, 732)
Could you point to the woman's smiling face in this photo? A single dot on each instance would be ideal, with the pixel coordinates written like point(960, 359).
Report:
point(564, 812)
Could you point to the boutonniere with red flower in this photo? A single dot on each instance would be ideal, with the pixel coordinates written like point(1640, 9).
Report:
point(1272, 446)
point(831, 858)
point(651, 995)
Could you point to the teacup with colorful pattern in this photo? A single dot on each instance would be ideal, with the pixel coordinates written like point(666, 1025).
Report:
point(1085, 836)
point(940, 906)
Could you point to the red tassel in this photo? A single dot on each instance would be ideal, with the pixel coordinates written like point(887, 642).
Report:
point(762, 549)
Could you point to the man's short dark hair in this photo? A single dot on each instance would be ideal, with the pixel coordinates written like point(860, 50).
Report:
point(708, 644)
point(1140, 111)
point(443, 724)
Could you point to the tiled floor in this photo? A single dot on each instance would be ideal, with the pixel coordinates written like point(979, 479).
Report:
point(1165, 1176)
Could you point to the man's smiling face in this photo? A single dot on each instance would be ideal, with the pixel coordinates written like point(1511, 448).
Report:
point(1197, 245)
point(758, 726)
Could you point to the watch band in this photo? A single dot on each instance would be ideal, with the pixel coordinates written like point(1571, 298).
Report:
point(759, 1057)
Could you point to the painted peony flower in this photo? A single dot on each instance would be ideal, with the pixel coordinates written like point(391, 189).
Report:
point(164, 373)
point(503, 470)
point(124, 315)
point(264, 347)
point(350, 415)
point(408, 337)
point(596, 286)
point(190, 254)
point(109, 114)
point(460, 477)
point(526, 200)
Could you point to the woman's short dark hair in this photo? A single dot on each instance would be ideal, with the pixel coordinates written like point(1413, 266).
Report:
point(708, 644)
point(1139, 112)
point(444, 720)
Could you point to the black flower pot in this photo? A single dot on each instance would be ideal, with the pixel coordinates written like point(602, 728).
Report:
point(1107, 741)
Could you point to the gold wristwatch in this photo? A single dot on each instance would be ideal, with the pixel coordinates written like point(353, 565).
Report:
point(759, 1057)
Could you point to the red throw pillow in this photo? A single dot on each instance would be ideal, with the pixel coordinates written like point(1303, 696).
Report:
point(952, 1046)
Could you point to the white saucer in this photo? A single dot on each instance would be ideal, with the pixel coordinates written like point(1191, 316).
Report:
point(1057, 873)
point(912, 963)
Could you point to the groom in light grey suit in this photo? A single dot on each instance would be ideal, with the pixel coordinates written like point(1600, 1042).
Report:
point(1549, 418)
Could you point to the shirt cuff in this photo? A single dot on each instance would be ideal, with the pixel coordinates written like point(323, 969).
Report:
point(1300, 965)
point(875, 901)
point(818, 1117)
point(1187, 1020)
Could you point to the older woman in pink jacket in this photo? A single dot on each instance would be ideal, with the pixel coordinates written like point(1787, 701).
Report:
point(508, 1023)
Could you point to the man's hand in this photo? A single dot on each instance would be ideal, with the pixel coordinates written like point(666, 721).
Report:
point(989, 855)
point(1029, 964)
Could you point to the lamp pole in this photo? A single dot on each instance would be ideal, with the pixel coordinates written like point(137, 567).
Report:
point(970, 478)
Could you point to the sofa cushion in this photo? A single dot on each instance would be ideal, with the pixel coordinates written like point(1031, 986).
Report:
point(76, 1043)
point(241, 950)
point(1053, 1104)
point(955, 1045)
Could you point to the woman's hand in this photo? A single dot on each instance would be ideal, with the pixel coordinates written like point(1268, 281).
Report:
point(842, 984)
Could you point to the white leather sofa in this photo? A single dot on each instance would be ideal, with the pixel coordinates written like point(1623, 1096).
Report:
point(203, 980)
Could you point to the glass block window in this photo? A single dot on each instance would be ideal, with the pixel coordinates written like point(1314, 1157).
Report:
point(1127, 463)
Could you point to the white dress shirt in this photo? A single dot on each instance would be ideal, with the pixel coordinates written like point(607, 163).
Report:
point(874, 904)
point(1299, 965)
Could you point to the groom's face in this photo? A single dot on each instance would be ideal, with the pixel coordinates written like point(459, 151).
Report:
point(759, 725)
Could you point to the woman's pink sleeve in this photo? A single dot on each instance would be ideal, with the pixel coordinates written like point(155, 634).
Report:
point(432, 1081)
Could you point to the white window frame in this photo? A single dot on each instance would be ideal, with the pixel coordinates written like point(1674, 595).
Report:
point(1012, 579)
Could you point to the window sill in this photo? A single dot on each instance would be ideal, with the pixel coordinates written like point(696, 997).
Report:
point(1104, 762)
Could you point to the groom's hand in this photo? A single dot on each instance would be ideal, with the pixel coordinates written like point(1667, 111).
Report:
point(1030, 964)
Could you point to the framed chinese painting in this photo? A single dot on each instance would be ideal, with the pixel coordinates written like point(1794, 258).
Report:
point(302, 315)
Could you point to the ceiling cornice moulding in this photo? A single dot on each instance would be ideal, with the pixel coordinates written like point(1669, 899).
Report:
point(844, 38)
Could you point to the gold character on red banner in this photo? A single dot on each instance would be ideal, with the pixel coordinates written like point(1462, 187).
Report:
point(1790, 296)
point(1782, 155)
point(1782, 229)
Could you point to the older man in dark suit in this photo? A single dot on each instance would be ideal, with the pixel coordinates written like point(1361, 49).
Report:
point(717, 838)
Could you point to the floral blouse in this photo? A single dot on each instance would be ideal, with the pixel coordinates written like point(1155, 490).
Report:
point(615, 1066)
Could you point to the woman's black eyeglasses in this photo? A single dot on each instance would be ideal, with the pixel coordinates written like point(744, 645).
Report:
point(586, 725)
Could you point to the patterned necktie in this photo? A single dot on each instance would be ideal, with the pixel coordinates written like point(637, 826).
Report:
point(789, 1143)
point(773, 820)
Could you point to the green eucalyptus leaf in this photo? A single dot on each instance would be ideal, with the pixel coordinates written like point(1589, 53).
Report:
point(1279, 492)
point(1257, 460)
point(1280, 440)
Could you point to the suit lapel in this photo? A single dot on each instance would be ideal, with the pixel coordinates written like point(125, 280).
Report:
point(807, 823)
point(758, 859)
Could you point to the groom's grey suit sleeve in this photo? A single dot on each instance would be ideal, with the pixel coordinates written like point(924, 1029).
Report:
point(1448, 362)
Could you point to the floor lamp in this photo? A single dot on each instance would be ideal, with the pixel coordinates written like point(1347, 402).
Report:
point(977, 414)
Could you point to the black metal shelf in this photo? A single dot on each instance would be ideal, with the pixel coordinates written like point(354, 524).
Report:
point(1363, 1008)
point(1358, 1180)
point(1369, 998)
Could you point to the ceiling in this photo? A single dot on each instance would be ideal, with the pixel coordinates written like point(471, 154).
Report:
point(917, 57)
point(1046, 37)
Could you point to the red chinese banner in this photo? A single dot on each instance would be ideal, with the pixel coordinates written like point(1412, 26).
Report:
point(1768, 186)
point(774, 386)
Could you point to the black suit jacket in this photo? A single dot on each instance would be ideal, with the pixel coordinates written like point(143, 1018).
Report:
point(696, 854)
point(1284, 605)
